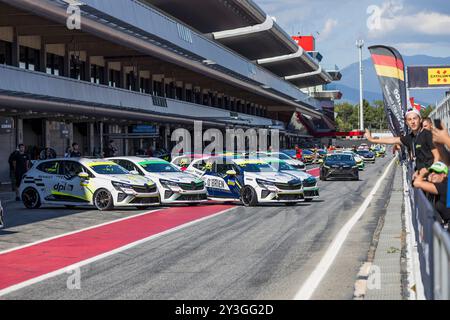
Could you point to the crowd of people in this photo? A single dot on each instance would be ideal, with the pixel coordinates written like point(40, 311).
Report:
point(427, 148)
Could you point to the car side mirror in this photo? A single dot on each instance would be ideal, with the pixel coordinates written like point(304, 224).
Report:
point(83, 176)
point(231, 173)
point(134, 172)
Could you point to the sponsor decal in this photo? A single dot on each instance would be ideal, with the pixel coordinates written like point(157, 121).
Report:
point(438, 76)
point(63, 187)
point(215, 183)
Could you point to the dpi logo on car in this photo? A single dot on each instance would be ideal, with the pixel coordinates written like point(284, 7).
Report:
point(63, 187)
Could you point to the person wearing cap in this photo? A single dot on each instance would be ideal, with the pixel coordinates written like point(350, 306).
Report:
point(419, 141)
point(435, 182)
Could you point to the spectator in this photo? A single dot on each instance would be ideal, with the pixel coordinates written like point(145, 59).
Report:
point(12, 174)
point(435, 184)
point(47, 153)
point(427, 124)
point(419, 142)
point(68, 152)
point(75, 153)
point(298, 153)
point(21, 164)
point(111, 150)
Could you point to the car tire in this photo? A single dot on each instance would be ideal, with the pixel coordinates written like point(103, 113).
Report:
point(249, 197)
point(103, 200)
point(31, 198)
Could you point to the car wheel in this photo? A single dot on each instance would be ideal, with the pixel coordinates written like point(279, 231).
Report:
point(31, 198)
point(249, 197)
point(103, 200)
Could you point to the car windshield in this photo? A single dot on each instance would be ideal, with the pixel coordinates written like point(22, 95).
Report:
point(291, 153)
point(282, 166)
point(255, 166)
point(108, 168)
point(364, 153)
point(278, 155)
point(340, 157)
point(153, 166)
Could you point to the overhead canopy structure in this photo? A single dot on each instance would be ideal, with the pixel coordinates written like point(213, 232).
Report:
point(240, 25)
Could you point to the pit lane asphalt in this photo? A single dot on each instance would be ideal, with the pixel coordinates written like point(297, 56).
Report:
point(248, 253)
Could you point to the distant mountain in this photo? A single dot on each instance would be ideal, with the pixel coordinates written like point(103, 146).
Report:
point(349, 84)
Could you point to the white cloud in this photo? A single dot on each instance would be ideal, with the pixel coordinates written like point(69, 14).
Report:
point(387, 19)
point(329, 27)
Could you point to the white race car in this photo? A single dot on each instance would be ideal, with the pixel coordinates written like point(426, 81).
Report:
point(249, 181)
point(79, 181)
point(297, 164)
point(174, 185)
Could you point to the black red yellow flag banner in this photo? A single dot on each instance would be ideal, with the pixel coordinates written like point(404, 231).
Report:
point(390, 70)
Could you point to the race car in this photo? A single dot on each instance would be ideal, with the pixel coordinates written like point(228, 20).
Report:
point(250, 181)
point(79, 181)
point(359, 160)
point(367, 156)
point(309, 156)
point(174, 185)
point(379, 151)
point(310, 188)
point(297, 164)
point(339, 166)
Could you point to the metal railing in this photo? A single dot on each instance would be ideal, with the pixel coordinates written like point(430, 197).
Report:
point(441, 256)
point(433, 244)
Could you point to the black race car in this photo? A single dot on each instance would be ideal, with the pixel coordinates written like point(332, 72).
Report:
point(339, 166)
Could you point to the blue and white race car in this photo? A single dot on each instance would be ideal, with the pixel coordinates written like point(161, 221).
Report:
point(250, 181)
point(310, 187)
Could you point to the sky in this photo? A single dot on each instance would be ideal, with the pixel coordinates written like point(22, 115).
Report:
point(412, 26)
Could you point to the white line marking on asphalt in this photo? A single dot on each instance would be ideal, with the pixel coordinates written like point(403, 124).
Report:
point(313, 281)
point(104, 255)
point(77, 231)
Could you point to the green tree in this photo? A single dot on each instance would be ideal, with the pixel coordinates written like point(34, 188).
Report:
point(347, 117)
point(425, 112)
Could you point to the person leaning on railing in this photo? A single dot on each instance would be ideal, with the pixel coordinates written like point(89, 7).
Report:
point(435, 182)
point(419, 142)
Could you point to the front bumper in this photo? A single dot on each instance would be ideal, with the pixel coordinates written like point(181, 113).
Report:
point(311, 192)
point(340, 173)
point(274, 196)
point(174, 196)
point(137, 200)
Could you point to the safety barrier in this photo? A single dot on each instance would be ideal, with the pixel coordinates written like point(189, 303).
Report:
point(433, 244)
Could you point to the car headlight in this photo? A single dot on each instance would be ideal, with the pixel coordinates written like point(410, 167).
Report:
point(119, 185)
point(264, 183)
point(168, 184)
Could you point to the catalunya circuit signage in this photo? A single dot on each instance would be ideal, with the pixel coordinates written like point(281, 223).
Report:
point(429, 77)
